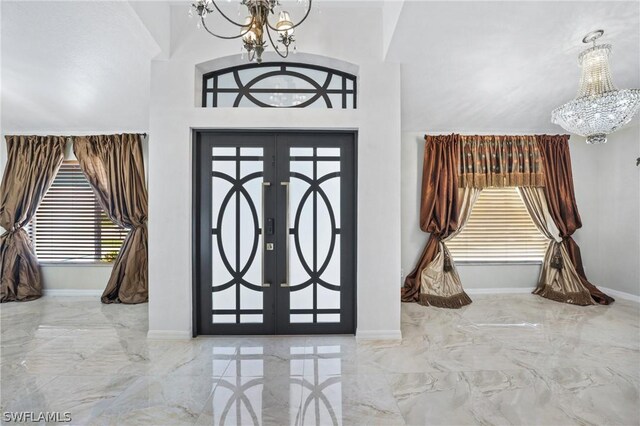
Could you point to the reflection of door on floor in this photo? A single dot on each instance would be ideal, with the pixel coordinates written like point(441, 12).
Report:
point(275, 232)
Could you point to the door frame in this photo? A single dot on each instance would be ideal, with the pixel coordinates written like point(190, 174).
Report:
point(196, 208)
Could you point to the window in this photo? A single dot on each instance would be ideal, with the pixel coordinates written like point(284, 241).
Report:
point(279, 85)
point(499, 230)
point(70, 225)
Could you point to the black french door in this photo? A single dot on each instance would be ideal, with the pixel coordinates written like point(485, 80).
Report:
point(274, 232)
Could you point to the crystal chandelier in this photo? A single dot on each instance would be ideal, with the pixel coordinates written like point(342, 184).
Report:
point(255, 26)
point(599, 108)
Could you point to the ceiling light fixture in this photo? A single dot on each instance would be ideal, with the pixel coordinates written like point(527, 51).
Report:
point(599, 108)
point(253, 29)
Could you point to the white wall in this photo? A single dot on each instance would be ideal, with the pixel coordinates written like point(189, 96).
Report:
point(607, 190)
point(377, 120)
point(619, 213)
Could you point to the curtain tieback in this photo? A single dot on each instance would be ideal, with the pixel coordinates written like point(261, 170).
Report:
point(11, 231)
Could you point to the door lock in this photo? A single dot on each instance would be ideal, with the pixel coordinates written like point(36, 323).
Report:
point(269, 246)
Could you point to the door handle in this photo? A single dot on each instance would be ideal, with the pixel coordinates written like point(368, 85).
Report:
point(265, 185)
point(286, 235)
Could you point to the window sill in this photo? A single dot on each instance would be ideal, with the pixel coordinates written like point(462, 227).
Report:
point(496, 262)
point(77, 264)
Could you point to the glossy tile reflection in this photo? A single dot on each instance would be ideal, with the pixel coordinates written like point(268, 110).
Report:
point(502, 360)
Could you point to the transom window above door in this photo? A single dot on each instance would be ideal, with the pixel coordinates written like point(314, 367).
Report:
point(279, 85)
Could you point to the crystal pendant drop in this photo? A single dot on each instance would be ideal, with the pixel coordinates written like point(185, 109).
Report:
point(599, 108)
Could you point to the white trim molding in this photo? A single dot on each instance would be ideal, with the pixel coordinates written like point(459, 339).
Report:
point(378, 335)
point(620, 294)
point(71, 292)
point(169, 335)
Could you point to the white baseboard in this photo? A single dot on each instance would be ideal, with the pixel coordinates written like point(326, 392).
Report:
point(499, 290)
point(620, 294)
point(378, 335)
point(169, 335)
point(64, 292)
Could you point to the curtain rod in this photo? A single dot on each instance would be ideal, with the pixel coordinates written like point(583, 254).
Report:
point(10, 133)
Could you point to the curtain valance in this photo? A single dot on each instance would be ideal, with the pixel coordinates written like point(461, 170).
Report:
point(499, 161)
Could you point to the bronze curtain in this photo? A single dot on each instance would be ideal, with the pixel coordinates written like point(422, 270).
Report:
point(439, 214)
point(113, 165)
point(561, 201)
point(32, 164)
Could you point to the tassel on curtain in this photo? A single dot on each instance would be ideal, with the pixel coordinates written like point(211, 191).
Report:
point(113, 165)
point(443, 211)
point(32, 164)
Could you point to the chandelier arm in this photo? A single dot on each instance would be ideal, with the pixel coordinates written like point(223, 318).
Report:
point(225, 16)
point(204, 25)
point(294, 26)
point(275, 47)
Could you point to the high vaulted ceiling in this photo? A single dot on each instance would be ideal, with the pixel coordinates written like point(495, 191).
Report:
point(503, 66)
point(475, 66)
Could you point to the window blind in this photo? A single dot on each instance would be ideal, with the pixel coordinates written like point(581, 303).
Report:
point(499, 230)
point(70, 225)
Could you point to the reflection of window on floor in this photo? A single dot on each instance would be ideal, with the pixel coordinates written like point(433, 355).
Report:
point(250, 381)
point(70, 225)
point(499, 230)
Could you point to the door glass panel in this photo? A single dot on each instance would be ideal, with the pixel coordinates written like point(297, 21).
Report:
point(301, 318)
point(236, 203)
point(224, 151)
point(331, 273)
point(301, 152)
point(250, 167)
point(331, 188)
point(302, 299)
point(251, 151)
point(297, 273)
point(250, 299)
point(329, 152)
point(224, 299)
point(324, 233)
point(219, 272)
point(328, 298)
point(328, 317)
point(224, 319)
point(245, 319)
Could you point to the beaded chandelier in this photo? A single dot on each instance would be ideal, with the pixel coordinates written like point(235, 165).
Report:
point(599, 108)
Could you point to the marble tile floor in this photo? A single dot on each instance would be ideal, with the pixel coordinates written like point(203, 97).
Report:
point(511, 359)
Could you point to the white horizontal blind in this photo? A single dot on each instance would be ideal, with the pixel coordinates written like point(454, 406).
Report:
point(70, 225)
point(499, 230)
